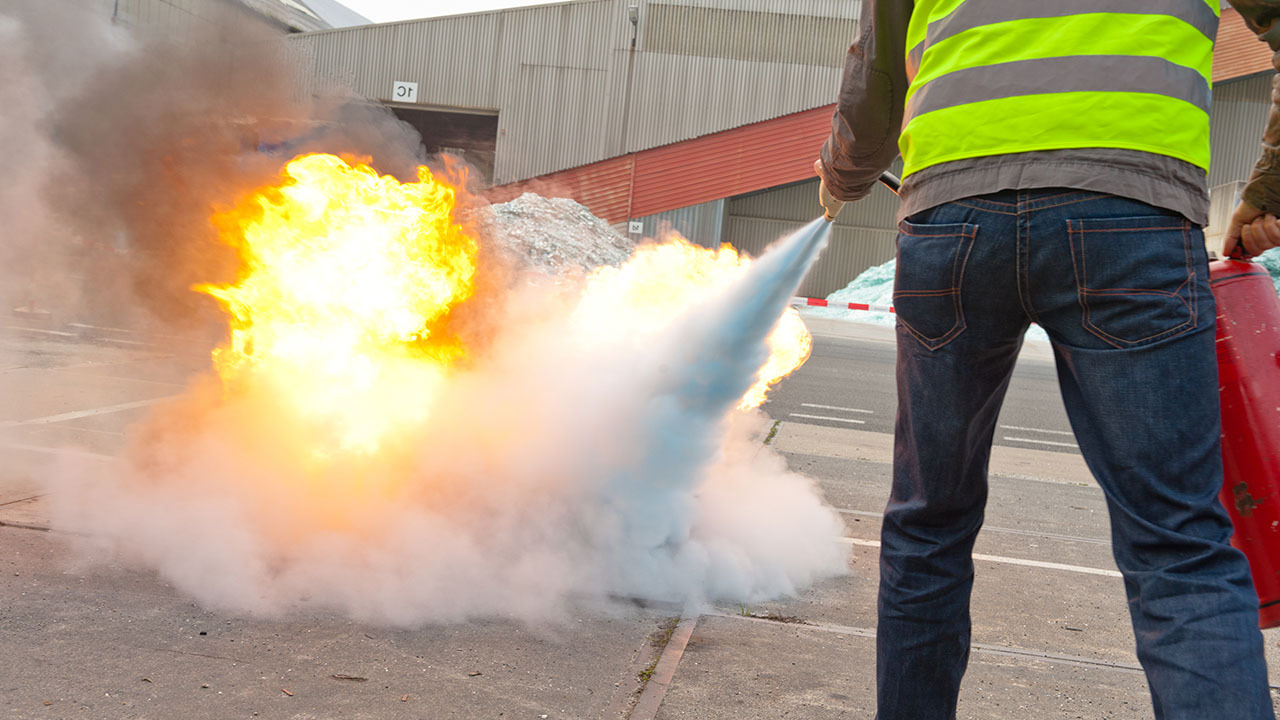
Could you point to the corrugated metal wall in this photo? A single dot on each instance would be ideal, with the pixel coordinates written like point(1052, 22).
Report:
point(176, 17)
point(168, 15)
point(863, 236)
point(701, 224)
point(1239, 116)
point(568, 88)
point(1222, 202)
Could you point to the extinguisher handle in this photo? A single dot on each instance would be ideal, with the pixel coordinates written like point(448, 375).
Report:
point(891, 181)
point(1239, 253)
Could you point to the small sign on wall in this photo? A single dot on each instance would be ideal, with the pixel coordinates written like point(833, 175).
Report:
point(635, 227)
point(404, 91)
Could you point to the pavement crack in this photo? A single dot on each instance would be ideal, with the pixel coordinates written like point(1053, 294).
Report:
point(22, 500)
point(25, 526)
point(188, 652)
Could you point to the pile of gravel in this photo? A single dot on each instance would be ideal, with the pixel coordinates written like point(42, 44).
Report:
point(555, 235)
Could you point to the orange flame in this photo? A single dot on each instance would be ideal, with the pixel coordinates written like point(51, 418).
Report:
point(348, 277)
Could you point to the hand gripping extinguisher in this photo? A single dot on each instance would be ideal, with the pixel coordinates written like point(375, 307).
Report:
point(1249, 389)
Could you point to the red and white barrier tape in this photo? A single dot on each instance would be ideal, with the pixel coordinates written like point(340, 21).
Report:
point(816, 302)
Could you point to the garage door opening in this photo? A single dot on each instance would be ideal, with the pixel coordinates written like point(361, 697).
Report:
point(472, 136)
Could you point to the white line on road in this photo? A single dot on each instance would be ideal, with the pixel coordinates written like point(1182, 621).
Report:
point(990, 528)
point(83, 413)
point(1043, 442)
point(1035, 655)
point(1010, 561)
point(1039, 430)
point(58, 451)
point(38, 331)
point(832, 419)
point(834, 407)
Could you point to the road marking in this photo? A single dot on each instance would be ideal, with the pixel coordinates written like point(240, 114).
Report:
point(79, 428)
point(982, 648)
point(1009, 561)
point(1039, 430)
point(38, 331)
point(834, 407)
point(84, 413)
point(832, 419)
point(72, 370)
point(988, 528)
point(59, 451)
point(1043, 442)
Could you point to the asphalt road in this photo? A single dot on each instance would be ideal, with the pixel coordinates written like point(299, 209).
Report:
point(112, 639)
point(848, 382)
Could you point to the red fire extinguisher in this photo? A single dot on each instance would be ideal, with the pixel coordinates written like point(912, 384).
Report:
point(1249, 388)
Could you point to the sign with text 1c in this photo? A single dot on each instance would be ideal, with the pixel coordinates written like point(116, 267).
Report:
point(404, 91)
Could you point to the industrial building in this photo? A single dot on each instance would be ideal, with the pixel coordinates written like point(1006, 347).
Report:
point(294, 16)
point(705, 114)
point(702, 114)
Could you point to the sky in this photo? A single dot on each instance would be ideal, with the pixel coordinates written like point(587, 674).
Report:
point(392, 10)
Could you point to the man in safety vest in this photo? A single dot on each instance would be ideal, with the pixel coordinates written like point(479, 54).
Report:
point(1054, 161)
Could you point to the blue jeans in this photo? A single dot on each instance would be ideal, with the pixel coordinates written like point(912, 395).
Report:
point(1122, 289)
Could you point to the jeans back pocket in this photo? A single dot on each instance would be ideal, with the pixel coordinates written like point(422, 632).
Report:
point(1136, 277)
point(930, 275)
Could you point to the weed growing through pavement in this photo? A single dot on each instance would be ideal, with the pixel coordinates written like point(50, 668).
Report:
point(745, 611)
point(772, 431)
point(658, 640)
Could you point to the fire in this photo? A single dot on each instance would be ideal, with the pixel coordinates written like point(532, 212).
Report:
point(662, 279)
point(789, 346)
point(348, 277)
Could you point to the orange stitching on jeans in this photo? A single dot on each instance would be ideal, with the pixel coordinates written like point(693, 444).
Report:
point(1101, 333)
point(996, 202)
point(957, 277)
point(943, 235)
point(1082, 281)
point(1069, 202)
point(1062, 195)
point(1132, 291)
point(982, 209)
point(946, 337)
point(1161, 293)
point(1135, 229)
point(934, 344)
point(1083, 292)
point(1191, 273)
point(925, 293)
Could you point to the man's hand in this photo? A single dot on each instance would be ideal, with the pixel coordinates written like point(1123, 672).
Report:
point(1250, 227)
point(831, 206)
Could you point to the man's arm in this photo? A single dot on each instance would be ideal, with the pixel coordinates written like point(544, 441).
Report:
point(1254, 222)
point(868, 117)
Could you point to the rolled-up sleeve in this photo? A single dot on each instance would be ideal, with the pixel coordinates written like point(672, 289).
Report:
point(868, 117)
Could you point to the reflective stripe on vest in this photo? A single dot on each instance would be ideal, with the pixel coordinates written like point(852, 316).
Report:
point(1131, 74)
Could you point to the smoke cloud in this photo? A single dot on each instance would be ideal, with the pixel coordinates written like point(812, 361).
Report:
point(578, 456)
point(119, 141)
point(566, 467)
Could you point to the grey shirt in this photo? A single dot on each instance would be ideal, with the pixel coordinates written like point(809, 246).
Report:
point(1157, 180)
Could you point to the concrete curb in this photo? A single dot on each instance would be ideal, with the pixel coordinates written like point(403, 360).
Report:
point(656, 690)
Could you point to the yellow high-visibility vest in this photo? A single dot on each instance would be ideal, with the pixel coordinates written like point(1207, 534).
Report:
point(993, 77)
